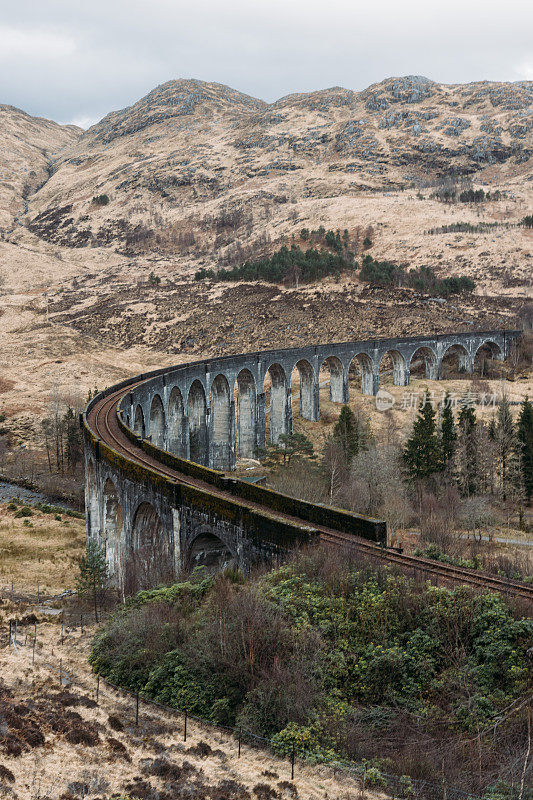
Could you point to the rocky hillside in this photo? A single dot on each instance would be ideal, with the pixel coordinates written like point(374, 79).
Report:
point(102, 231)
point(193, 167)
point(27, 146)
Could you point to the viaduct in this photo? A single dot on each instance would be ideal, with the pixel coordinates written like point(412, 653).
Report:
point(158, 445)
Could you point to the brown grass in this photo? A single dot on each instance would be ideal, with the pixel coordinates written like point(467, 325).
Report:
point(44, 552)
point(81, 746)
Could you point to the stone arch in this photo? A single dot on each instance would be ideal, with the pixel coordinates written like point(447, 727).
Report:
point(362, 364)
point(151, 560)
point(306, 375)
point(336, 378)
point(245, 414)
point(209, 551)
point(157, 422)
point(138, 422)
point(221, 424)
point(428, 358)
point(486, 353)
point(91, 501)
point(112, 530)
point(176, 435)
point(197, 415)
point(455, 358)
point(394, 362)
point(279, 410)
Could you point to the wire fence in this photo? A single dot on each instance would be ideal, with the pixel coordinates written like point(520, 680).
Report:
point(366, 778)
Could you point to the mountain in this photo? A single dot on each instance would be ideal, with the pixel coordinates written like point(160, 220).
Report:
point(193, 160)
point(28, 145)
point(102, 231)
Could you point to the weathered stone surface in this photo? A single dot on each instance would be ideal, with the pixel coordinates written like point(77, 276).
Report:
point(151, 527)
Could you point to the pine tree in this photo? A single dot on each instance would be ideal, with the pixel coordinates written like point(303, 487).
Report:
point(448, 433)
point(93, 577)
point(292, 444)
point(468, 455)
point(351, 433)
point(506, 442)
point(525, 439)
point(423, 453)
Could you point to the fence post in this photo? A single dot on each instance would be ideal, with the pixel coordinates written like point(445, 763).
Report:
point(292, 761)
point(9, 640)
point(81, 623)
point(137, 708)
point(97, 686)
point(239, 744)
point(61, 628)
point(33, 650)
point(185, 727)
point(38, 594)
point(60, 670)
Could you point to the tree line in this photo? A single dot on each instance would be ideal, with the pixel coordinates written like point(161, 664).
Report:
point(338, 660)
point(423, 279)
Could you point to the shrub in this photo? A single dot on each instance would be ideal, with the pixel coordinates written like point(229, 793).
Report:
point(303, 737)
point(25, 511)
point(100, 200)
point(341, 660)
point(373, 777)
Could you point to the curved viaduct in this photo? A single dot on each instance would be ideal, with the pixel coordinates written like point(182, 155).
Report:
point(156, 447)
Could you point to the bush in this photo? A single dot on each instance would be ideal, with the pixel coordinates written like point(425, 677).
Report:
point(342, 660)
point(303, 737)
point(100, 200)
point(25, 511)
point(373, 777)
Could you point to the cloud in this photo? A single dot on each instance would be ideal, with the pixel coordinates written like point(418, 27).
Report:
point(34, 44)
point(84, 122)
point(78, 61)
point(525, 70)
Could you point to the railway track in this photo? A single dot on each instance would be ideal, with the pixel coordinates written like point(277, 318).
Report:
point(103, 421)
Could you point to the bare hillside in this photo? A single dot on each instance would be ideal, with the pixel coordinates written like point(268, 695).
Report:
point(28, 144)
point(200, 175)
point(194, 166)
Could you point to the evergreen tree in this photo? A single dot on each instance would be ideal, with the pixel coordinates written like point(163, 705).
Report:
point(423, 453)
point(93, 576)
point(351, 433)
point(525, 440)
point(448, 433)
point(467, 419)
point(506, 443)
point(290, 445)
point(468, 453)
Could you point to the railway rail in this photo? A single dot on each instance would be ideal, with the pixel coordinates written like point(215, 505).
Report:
point(103, 422)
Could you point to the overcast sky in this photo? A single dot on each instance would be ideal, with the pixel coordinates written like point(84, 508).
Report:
point(76, 60)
